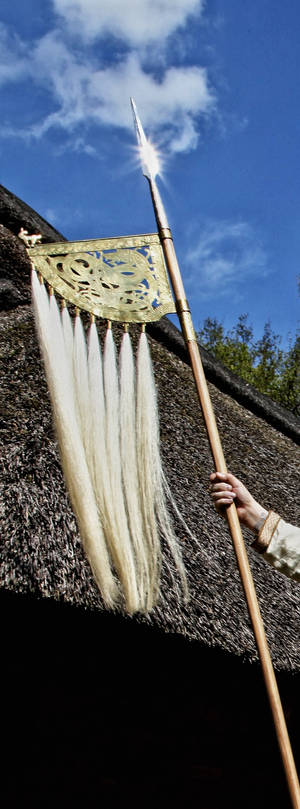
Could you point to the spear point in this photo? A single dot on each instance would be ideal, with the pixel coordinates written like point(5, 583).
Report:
point(147, 152)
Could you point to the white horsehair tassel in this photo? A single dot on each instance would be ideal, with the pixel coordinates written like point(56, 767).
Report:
point(99, 468)
point(97, 417)
point(153, 486)
point(81, 382)
point(68, 333)
point(121, 546)
point(128, 447)
point(108, 436)
point(73, 458)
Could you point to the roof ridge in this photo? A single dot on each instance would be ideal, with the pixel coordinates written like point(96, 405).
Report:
point(17, 213)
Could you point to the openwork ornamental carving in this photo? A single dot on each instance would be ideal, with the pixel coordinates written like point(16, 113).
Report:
point(121, 279)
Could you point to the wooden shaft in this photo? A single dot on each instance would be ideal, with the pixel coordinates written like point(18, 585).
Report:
point(233, 520)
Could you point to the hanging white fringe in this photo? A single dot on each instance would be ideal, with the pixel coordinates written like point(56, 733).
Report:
point(71, 448)
point(97, 418)
point(153, 487)
point(129, 465)
point(68, 336)
point(81, 383)
point(109, 443)
point(105, 466)
point(122, 550)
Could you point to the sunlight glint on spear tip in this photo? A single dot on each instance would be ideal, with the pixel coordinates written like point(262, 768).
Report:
point(147, 152)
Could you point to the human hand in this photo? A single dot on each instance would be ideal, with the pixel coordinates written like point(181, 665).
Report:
point(227, 489)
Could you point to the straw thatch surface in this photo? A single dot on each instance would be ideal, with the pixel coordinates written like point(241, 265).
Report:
point(41, 550)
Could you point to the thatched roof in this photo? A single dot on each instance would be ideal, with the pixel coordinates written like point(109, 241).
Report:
point(41, 551)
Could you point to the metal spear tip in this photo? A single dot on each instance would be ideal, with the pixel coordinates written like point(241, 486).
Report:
point(147, 152)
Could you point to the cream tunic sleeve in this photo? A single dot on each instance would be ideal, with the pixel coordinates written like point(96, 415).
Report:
point(280, 544)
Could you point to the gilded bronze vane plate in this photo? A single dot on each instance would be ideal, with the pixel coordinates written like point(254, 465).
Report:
point(122, 279)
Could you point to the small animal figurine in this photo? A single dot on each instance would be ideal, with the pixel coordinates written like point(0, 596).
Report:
point(30, 240)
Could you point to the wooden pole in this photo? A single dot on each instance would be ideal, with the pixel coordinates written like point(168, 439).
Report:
point(231, 512)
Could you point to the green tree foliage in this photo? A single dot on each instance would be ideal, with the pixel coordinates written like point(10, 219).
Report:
point(262, 362)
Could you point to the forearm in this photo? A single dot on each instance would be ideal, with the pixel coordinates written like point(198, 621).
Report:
point(279, 542)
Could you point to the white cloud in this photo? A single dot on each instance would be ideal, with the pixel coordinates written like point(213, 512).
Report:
point(77, 145)
point(84, 94)
point(84, 87)
point(13, 57)
point(136, 22)
point(51, 216)
point(174, 102)
point(224, 257)
point(187, 137)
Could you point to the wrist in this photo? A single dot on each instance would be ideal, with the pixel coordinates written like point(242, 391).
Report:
point(266, 533)
point(256, 516)
point(260, 522)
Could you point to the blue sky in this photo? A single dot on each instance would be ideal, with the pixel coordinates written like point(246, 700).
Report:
point(217, 88)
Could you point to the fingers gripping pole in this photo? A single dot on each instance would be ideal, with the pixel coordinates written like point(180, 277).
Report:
point(232, 518)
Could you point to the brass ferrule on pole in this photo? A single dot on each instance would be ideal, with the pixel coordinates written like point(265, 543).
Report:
point(231, 512)
point(165, 233)
point(184, 314)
